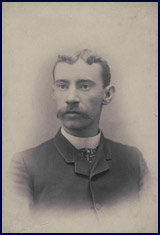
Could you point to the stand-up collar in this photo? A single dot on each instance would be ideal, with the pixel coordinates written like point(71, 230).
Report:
point(72, 155)
point(82, 142)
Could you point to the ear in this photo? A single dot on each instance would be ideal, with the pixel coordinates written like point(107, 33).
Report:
point(108, 94)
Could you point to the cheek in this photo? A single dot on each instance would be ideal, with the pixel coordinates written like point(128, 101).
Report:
point(94, 102)
point(59, 99)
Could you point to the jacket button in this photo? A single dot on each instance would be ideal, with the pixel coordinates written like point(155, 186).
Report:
point(98, 206)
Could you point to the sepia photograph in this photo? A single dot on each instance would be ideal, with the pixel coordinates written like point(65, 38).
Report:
point(80, 117)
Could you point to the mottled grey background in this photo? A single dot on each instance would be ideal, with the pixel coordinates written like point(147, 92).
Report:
point(125, 34)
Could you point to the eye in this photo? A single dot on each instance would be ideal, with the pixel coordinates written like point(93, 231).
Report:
point(84, 87)
point(62, 86)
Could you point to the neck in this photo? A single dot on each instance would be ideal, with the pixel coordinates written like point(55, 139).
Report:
point(88, 132)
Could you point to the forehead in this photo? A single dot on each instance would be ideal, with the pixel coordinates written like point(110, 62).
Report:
point(79, 69)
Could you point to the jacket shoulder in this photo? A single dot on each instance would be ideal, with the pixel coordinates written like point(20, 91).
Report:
point(123, 151)
point(29, 158)
point(45, 146)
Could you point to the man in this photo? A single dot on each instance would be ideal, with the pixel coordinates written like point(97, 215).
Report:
point(79, 168)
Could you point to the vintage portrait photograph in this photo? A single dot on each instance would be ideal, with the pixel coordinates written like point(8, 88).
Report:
point(80, 117)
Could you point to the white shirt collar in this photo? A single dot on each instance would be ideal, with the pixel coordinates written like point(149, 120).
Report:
point(82, 142)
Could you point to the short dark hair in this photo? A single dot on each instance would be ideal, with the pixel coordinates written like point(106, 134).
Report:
point(89, 57)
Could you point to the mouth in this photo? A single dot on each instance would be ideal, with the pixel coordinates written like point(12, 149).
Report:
point(72, 113)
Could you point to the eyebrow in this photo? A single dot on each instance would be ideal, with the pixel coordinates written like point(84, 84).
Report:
point(61, 80)
point(78, 81)
point(85, 80)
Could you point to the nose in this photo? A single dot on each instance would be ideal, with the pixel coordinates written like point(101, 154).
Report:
point(72, 96)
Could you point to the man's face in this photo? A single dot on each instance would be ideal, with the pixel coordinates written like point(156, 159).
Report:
point(79, 92)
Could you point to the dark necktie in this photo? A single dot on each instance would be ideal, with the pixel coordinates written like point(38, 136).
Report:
point(88, 153)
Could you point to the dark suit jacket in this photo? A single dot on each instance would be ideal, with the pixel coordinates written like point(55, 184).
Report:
point(54, 174)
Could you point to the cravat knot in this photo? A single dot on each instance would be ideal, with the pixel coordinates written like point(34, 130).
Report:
point(88, 153)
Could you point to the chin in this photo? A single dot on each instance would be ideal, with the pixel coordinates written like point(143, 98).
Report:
point(77, 126)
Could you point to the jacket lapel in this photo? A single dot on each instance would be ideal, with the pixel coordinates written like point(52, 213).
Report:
point(65, 148)
point(102, 157)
